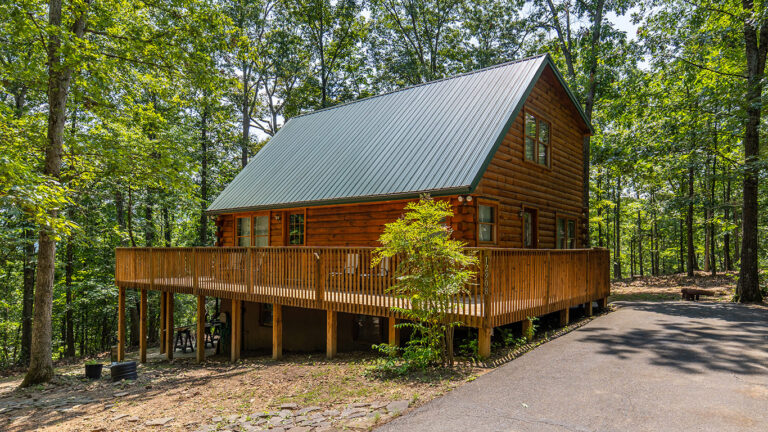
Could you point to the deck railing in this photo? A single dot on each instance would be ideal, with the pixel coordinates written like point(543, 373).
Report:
point(510, 285)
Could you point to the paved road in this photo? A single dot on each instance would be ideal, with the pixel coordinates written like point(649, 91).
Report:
point(675, 366)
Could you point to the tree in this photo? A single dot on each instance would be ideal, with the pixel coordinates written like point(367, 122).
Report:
point(433, 269)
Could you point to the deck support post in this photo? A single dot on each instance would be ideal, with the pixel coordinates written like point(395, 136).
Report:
point(527, 326)
point(602, 303)
point(143, 326)
point(588, 308)
point(120, 324)
point(331, 333)
point(162, 322)
point(394, 332)
point(235, 329)
point(169, 306)
point(200, 332)
point(484, 342)
point(277, 331)
point(564, 317)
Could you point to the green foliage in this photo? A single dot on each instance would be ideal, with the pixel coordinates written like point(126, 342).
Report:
point(433, 269)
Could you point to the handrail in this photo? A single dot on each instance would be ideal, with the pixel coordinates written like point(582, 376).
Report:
point(510, 285)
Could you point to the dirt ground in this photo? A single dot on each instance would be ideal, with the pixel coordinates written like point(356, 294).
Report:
point(186, 396)
point(662, 288)
point(300, 393)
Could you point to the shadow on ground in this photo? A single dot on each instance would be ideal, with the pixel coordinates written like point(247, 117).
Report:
point(710, 338)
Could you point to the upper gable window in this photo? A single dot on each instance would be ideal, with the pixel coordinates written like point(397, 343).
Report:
point(537, 137)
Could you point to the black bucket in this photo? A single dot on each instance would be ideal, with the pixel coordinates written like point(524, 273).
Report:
point(124, 370)
point(93, 371)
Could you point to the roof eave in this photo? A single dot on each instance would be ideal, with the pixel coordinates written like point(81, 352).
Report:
point(345, 200)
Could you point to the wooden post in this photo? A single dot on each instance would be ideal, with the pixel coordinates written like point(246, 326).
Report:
point(484, 342)
point(200, 333)
point(564, 317)
point(143, 327)
point(588, 308)
point(331, 333)
point(394, 332)
point(602, 303)
point(277, 331)
point(163, 308)
point(235, 330)
point(120, 324)
point(319, 289)
point(527, 325)
point(169, 329)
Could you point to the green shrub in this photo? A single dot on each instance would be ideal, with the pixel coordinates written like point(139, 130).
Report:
point(433, 269)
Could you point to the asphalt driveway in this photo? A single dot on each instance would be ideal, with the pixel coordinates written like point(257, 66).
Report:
point(677, 366)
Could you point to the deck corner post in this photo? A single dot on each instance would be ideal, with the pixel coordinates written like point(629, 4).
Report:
point(277, 331)
point(394, 332)
point(200, 332)
point(484, 342)
point(485, 287)
point(143, 326)
point(331, 333)
point(169, 326)
point(527, 333)
point(602, 303)
point(564, 317)
point(120, 324)
point(588, 308)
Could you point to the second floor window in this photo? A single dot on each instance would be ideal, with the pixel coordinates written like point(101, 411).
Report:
point(243, 231)
point(537, 137)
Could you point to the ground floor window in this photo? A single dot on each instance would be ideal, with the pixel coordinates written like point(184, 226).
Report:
point(261, 231)
point(243, 231)
point(566, 233)
point(486, 218)
point(296, 229)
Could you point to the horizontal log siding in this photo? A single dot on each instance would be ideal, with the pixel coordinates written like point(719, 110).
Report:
point(349, 225)
point(515, 183)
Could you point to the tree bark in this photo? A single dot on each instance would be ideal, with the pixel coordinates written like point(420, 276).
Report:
point(59, 77)
point(204, 178)
point(617, 231)
point(28, 297)
point(748, 286)
point(68, 316)
point(727, 263)
point(689, 224)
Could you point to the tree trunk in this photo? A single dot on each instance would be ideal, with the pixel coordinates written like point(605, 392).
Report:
point(748, 286)
point(689, 224)
point(28, 297)
point(727, 264)
point(166, 225)
point(681, 261)
point(68, 316)
point(204, 178)
point(59, 77)
point(149, 223)
point(617, 231)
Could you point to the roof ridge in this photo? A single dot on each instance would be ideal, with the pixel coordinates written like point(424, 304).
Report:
point(463, 74)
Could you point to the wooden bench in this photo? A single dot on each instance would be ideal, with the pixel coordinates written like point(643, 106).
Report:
point(693, 294)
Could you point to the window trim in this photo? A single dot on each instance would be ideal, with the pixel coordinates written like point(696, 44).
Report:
point(539, 118)
point(495, 207)
point(250, 230)
point(566, 218)
point(535, 227)
point(288, 215)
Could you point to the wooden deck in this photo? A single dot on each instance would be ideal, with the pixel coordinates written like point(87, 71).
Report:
point(511, 284)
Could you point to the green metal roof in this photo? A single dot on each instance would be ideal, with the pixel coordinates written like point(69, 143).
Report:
point(437, 137)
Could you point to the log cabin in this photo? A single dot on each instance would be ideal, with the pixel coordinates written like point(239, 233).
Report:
point(296, 228)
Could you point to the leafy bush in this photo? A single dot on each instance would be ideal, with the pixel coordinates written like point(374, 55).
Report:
point(433, 269)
